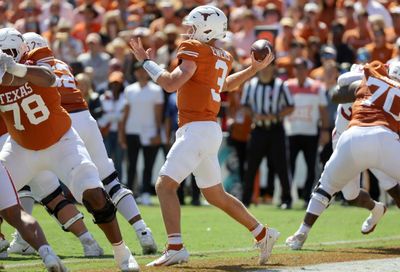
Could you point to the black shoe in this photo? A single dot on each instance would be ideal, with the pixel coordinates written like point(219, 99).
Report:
point(195, 202)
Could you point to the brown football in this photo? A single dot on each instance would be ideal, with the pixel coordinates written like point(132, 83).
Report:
point(261, 49)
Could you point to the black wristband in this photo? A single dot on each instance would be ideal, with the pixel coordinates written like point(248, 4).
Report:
point(143, 62)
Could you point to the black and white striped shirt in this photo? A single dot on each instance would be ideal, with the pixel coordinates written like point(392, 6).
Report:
point(266, 98)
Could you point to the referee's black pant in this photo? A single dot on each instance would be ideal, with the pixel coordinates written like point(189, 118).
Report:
point(269, 142)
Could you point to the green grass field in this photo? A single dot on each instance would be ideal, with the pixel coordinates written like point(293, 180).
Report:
point(210, 234)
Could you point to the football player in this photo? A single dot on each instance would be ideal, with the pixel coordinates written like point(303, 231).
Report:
point(41, 138)
point(203, 73)
point(84, 124)
point(367, 144)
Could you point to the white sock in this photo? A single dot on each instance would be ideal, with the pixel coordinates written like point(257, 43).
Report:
point(119, 251)
point(44, 251)
point(376, 209)
point(175, 239)
point(257, 230)
point(139, 225)
point(85, 237)
point(127, 207)
point(304, 228)
point(27, 204)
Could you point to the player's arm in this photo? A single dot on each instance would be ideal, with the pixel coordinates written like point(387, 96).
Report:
point(37, 75)
point(170, 82)
point(345, 94)
point(233, 81)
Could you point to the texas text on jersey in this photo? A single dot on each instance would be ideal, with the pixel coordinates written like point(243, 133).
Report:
point(71, 97)
point(33, 115)
point(199, 99)
point(377, 99)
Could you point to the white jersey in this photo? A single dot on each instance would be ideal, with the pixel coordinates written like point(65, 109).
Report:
point(342, 121)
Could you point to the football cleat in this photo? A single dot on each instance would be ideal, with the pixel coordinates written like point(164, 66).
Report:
point(147, 242)
point(266, 244)
point(91, 248)
point(4, 244)
point(19, 246)
point(53, 263)
point(370, 223)
point(170, 257)
point(127, 262)
point(296, 241)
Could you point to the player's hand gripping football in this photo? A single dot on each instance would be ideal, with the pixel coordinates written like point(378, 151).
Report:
point(138, 51)
point(259, 65)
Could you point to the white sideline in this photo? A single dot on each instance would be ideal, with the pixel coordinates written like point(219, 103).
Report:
point(199, 253)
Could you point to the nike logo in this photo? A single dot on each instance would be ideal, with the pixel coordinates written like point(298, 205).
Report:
point(25, 249)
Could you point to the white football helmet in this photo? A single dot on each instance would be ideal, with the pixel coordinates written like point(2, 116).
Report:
point(34, 40)
point(12, 43)
point(394, 70)
point(207, 22)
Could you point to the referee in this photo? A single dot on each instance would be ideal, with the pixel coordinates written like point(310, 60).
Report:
point(269, 103)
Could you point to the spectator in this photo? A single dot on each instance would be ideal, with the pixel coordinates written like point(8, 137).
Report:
point(269, 103)
point(66, 47)
point(302, 125)
point(79, 15)
point(361, 35)
point(52, 28)
point(373, 7)
point(92, 98)
point(55, 8)
point(140, 128)
point(4, 22)
point(380, 49)
point(296, 51)
point(97, 59)
point(118, 49)
point(328, 54)
point(311, 25)
point(314, 51)
point(166, 55)
point(349, 20)
point(111, 25)
point(88, 25)
point(344, 52)
point(328, 12)
point(30, 21)
point(113, 103)
point(395, 13)
point(271, 16)
point(167, 17)
point(284, 38)
point(245, 37)
point(397, 57)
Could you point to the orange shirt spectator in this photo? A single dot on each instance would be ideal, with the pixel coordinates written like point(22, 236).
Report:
point(379, 49)
point(285, 37)
point(360, 36)
point(310, 25)
point(168, 17)
point(89, 25)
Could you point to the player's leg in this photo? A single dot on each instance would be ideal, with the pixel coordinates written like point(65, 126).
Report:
point(122, 197)
point(339, 170)
point(80, 175)
point(29, 228)
point(360, 198)
point(208, 178)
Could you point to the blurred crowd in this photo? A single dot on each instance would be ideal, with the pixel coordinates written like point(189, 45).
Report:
point(314, 41)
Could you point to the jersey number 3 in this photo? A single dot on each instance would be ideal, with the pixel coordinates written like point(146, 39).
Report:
point(219, 65)
point(34, 108)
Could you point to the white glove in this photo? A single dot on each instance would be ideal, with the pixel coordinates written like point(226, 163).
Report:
point(2, 72)
point(12, 67)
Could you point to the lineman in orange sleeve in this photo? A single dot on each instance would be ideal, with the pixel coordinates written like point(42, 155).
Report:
point(200, 77)
point(84, 124)
point(61, 209)
point(41, 138)
point(371, 141)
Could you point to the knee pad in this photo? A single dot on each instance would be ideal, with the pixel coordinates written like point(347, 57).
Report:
point(110, 178)
point(322, 196)
point(59, 206)
point(103, 215)
point(118, 192)
point(51, 196)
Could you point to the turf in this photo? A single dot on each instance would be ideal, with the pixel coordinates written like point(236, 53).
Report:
point(210, 234)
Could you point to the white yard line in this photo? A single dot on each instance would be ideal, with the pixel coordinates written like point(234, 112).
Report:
point(199, 253)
